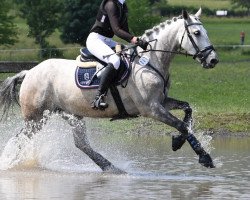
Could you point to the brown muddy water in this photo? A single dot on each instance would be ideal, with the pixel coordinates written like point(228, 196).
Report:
point(50, 167)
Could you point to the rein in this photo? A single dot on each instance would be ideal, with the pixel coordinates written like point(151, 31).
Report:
point(166, 51)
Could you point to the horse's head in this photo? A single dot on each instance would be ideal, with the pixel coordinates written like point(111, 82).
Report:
point(195, 41)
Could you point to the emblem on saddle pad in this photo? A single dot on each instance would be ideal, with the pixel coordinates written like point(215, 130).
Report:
point(86, 76)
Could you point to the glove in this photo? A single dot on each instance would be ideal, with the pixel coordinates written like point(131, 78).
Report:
point(142, 43)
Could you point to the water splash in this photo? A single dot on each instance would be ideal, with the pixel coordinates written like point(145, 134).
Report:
point(52, 148)
point(218, 162)
point(206, 141)
point(18, 152)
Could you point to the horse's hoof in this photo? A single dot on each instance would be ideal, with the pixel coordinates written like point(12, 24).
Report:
point(206, 161)
point(177, 142)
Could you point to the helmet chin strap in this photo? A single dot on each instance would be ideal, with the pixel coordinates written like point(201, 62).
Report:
point(122, 1)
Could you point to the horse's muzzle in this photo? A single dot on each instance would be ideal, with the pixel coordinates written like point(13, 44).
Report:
point(211, 64)
point(207, 57)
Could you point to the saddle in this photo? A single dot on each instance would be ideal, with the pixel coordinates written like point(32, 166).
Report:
point(88, 72)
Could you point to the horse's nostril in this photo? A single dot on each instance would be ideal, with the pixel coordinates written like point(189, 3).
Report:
point(214, 61)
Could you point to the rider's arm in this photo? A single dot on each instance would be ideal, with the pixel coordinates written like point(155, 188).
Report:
point(113, 15)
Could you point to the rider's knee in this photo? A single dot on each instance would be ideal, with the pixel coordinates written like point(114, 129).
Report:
point(115, 60)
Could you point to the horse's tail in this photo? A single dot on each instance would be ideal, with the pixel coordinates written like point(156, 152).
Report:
point(8, 92)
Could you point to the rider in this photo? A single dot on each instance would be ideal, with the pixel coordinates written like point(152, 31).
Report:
point(111, 20)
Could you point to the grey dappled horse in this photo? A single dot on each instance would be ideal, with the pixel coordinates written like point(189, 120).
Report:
point(50, 86)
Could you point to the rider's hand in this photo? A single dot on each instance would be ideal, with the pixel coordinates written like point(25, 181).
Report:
point(142, 43)
point(134, 40)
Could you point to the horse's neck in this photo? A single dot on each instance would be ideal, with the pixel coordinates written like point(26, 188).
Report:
point(167, 40)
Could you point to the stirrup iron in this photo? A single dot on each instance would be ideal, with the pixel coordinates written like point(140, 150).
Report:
point(99, 103)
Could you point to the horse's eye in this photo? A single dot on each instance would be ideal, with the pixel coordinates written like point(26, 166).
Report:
point(197, 33)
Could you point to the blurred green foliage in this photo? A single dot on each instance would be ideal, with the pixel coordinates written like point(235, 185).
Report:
point(7, 26)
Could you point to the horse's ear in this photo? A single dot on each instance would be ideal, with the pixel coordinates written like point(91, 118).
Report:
point(198, 14)
point(185, 14)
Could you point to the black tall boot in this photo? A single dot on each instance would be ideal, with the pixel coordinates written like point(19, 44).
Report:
point(107, 78)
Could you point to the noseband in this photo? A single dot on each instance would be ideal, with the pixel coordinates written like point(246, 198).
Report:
point(200, 54)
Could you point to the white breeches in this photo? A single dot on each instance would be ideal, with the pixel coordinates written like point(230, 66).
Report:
point(100, 46)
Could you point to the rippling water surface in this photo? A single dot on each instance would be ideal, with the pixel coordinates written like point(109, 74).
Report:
point(52, 168)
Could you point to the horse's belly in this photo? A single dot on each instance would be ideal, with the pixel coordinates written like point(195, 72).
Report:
point(80, 104)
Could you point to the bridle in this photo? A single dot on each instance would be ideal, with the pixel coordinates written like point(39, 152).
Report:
point(200, 54)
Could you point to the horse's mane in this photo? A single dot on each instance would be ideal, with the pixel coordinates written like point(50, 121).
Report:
point(161, 26)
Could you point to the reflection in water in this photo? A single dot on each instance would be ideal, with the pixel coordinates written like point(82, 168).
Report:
point(48, 185)
point(57, 170)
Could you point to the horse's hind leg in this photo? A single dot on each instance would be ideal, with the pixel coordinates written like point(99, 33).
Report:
point(32, 126)
point(19, 148)
point(171, 104)
point(82, 143)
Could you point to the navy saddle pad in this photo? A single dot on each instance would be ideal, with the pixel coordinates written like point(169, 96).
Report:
point(86, 77)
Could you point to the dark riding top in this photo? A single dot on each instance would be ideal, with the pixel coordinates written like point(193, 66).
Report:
point(112, 20)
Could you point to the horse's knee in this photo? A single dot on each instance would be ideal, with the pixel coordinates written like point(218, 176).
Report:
point(188, 111)
point(183, 128)
point(186, 107)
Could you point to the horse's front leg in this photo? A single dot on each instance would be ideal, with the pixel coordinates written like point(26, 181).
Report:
point(172, 104)
point(82, 143)
point(163, 115)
